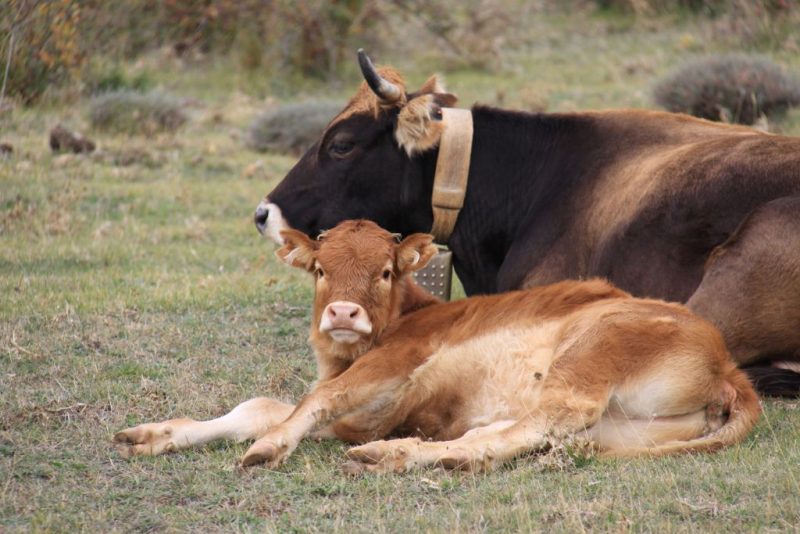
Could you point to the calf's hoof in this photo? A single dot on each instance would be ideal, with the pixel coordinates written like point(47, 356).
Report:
point(354, 468)
point(395, 456)
point(149, 439)
point(369, 453)
point(464, 460)
point(273, 453)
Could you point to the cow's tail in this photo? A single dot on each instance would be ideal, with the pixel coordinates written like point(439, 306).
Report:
point(739, 400)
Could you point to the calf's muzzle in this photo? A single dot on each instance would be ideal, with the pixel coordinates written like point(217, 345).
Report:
point(345, 321)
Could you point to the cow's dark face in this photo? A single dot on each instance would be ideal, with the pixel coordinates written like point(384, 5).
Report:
point(356, 170)
point(374, 161)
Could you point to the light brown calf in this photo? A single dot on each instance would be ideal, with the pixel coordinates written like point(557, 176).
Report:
point(485, 378)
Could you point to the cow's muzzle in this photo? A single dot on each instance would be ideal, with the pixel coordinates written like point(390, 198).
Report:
point(345, 321)
point(260, 218)
point(269, 221)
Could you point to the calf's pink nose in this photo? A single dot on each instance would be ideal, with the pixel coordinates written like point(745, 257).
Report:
point(342, 311)
point(347, 315)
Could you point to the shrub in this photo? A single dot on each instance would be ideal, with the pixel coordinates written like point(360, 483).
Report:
point(42, 41)
point(103, 79)
point(291, 128)
point(734, 88)
point(134, 112)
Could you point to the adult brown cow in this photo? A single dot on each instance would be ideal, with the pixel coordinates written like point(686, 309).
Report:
point(663, 205)
point(488, 377)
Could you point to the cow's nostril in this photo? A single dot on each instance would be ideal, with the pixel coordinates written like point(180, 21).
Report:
point(260, 218)
point(354, 313)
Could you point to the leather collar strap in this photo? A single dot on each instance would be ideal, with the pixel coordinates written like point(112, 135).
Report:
point(452, 170)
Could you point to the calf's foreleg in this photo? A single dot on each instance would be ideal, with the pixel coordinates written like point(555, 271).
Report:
point(249, 420)
point(347, 395)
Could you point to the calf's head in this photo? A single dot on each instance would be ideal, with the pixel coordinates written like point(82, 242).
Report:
point(375, 160)
point(362, 280)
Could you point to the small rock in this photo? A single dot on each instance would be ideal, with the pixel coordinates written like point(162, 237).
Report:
point(63, 140)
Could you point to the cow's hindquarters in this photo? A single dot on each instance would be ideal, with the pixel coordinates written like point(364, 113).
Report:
point(751, 292)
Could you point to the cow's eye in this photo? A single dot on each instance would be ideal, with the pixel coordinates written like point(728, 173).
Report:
point(387, 274)
point(341, 148)
point(320, 274)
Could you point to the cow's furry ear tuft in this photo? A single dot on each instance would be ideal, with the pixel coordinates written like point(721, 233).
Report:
point(414, 253)
point(419, 124)
point(432, 85)
point(298, 250)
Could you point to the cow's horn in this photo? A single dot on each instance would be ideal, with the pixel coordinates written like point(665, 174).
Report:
point(386, 90)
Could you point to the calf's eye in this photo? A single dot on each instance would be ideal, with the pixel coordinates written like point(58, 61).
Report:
point(387, 274)
point(320, 274)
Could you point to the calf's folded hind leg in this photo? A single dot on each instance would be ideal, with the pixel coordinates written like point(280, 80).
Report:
point(400, 455)
point(562, 412)
point(249, 420)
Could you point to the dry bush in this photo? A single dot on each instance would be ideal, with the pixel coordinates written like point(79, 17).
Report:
point(471, 33)
point(732, 88)
point(309, 37)
point(51, 40)
point(60, 41)
point(39, 44)
point(762, 24)
point(290, 128)
point(136, 113)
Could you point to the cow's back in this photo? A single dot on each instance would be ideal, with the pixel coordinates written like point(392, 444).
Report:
point(672, 190)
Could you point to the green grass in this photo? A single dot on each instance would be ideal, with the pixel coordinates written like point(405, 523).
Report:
point(140, 291)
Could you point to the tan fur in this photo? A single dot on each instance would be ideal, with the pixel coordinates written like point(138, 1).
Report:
point(249, 420)
point(495, 376)
point(417, 131)
point(489, 378)
point(356, 259)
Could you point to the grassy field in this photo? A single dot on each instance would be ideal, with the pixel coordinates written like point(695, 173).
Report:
point(135, 288)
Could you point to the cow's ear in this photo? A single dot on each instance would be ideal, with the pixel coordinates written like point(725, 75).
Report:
point(418, 129)
point(432, 85)
point(298, 250)
point(445, 100)
point(414, 253)
point(419, 124)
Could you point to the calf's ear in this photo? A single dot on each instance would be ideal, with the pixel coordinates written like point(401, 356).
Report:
point(414, 253)
point(298, 250)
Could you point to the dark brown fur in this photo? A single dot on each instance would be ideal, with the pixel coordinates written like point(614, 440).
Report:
point(641, 198)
